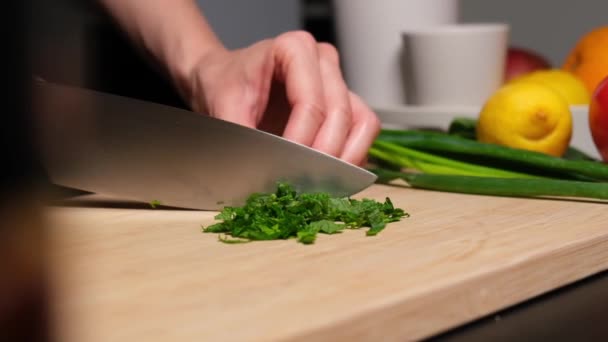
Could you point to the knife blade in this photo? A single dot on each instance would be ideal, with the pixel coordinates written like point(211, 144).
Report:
point(144, 151)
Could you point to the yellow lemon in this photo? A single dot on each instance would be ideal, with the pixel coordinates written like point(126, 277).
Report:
point(565, 83)
point(526, 115)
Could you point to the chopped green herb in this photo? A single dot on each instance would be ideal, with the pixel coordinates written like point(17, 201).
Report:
point(286, 214)
point(155, 203)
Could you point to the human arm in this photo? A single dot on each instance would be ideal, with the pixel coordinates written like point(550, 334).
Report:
point(289, 85)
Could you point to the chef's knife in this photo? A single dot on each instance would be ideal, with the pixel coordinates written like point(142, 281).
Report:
point(143, 151)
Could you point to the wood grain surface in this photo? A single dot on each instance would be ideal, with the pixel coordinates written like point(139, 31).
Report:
point(126, 272)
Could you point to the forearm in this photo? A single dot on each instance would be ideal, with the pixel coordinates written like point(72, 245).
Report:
point(174, 32)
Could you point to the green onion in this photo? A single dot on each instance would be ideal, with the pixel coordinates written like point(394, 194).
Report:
point(512, 187)
point(425, 162)
point(491, 153)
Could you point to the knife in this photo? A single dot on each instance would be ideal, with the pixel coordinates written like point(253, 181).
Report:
point(148, 152)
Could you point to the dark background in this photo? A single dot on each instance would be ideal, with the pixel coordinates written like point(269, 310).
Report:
point(24, 294)
point(106, 60)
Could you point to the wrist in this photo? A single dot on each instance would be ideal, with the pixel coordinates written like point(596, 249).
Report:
point(174, 33)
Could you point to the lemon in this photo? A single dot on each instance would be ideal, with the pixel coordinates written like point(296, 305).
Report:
point(526, 115)
point(565, 83)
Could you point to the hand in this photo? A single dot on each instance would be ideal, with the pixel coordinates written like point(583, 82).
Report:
point(290, 86)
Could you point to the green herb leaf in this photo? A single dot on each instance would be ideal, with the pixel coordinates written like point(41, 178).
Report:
point(286, 214)
point(327, 227)
point(155, 203)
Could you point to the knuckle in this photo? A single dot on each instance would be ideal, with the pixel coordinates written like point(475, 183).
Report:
point(329, 52)
point(345, 115)
point(374, 122)
point(300, 37)
point(315, 110)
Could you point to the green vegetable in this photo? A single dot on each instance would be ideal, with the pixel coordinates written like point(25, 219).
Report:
point(454, 162)
point(572, 153)
point(513, 187)
point(466, 128)
point(429, 163)
point(286, 214)
point(500, 156)
point(463, 127)
point(155, 203)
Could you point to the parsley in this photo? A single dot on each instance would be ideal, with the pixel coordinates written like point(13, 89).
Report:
point(286, 214)
point(155, 203)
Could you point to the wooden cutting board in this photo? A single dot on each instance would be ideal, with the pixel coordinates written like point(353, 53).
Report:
point(126, 272)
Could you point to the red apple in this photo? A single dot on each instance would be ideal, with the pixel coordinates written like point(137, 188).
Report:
point(598, 118)
point(521, 61)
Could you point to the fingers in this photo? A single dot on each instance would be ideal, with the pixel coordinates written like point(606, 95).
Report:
point(364, 130)
point(338, 113)
point(297, 65)
point(325, 115)
point(321, 112)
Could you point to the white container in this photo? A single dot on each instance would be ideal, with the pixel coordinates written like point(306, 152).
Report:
point(460, 64)
point(369, 40)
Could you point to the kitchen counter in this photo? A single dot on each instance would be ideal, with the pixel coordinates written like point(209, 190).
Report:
point(124, 271)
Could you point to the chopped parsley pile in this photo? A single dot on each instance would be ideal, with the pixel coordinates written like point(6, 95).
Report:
point(286, 214)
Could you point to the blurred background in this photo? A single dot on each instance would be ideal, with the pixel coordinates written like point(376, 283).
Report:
point(76, 43)
point(24, 285)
